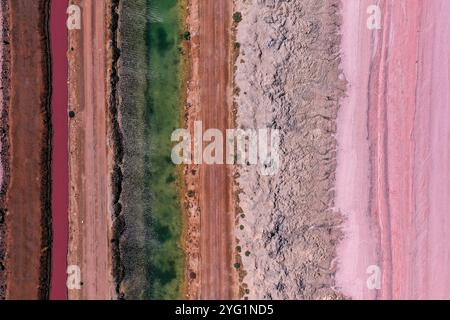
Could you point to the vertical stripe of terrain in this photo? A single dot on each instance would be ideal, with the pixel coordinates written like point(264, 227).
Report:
point(393, 177)
point(163, 114)
point(150, 76)
point(58, 42)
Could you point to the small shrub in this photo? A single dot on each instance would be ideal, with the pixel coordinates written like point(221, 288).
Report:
point(187, 35)
point(237, 17)
point(191, 193)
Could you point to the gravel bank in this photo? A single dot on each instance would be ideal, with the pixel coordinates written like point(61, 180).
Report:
point(288, 78)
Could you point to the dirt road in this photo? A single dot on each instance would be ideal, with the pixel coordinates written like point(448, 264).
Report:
point(90, 157)
point(27, 200)
point(217, 214)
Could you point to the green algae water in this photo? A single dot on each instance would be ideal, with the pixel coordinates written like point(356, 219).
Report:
point(150, 77)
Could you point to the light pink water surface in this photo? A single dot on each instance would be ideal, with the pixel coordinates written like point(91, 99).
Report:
point(393, 179)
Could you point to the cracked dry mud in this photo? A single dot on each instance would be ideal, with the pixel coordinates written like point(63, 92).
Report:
point(288, 78)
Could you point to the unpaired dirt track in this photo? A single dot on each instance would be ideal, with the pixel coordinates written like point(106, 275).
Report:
point(217, 217)
point(27, 198)
point(89, 158)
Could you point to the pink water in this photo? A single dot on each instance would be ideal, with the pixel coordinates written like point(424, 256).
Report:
point(60, 166)
point(393, 179)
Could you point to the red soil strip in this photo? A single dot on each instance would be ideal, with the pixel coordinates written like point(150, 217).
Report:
point(60, 167)
point(395, 143)
point(27, 199)
point(209, 234)
point(217, 214)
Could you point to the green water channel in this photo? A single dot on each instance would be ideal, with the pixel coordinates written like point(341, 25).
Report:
point(152, 92)
point(163, 116)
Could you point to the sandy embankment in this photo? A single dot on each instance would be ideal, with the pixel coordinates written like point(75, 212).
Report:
point(28, 194)
point(191, 235)
point(394, 138)
point(90, 155)
point(287, 78)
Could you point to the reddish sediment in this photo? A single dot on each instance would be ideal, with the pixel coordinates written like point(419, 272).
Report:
point(60, 168)
point(27, 199)
point(393, 163)
point(209, 238)
point(4, 100)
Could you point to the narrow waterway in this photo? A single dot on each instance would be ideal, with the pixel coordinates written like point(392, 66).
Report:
point(59, 45)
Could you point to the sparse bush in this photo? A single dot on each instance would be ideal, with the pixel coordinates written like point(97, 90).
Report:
point(187, 35)
point(191, 193)
point(237, 17)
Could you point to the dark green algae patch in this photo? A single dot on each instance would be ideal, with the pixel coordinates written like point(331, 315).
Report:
point(149, 260)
